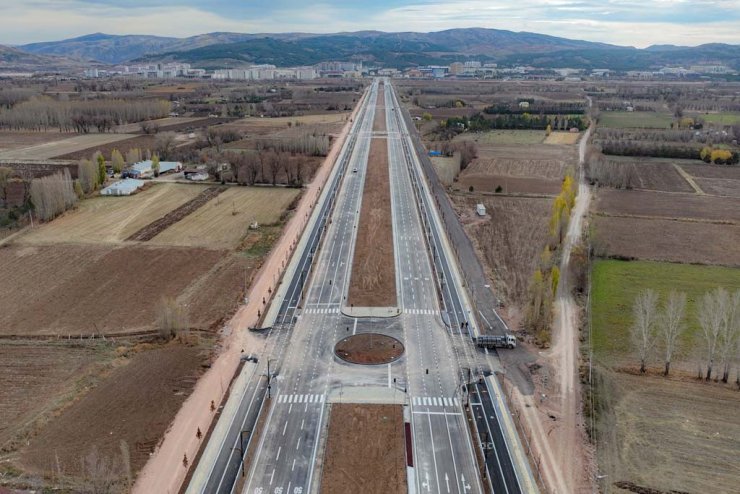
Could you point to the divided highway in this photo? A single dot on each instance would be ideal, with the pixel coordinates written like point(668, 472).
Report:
point(434, 323)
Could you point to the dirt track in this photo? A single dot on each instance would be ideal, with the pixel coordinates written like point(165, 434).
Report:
point(365, 450)
point(373, 280)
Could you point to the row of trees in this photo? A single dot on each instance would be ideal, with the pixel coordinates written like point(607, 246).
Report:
point(53, 194)
point(537, 108)
point(546, 277)
point(267, 167)
point(659, 330)
point(525, 121)
point(44, 113)
point(650, 149)
point(307, 144)
point(719, 156)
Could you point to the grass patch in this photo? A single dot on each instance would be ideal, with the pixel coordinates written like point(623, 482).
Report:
point(722, 118)
point(260, 244)
point(615, 284)
point(635, 119)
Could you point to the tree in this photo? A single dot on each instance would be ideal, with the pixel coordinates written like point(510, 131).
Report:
point(87, 175)
point(101, 169)
point(711, 313)
point(671, 325)
point(117, 161)
point(172, 318)
point(642, 332)
point(548, 130)
point(5, 174)
point(728, 336)
point(164, 144)
point(155, 165)
point(133, 155)
point(53, 194)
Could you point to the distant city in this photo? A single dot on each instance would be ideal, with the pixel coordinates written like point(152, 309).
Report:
point(470, 69)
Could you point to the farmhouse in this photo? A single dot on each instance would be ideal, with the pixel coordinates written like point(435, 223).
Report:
point(145, 167)
point(124, 187)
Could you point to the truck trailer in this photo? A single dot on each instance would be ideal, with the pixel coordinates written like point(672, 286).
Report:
point(491, 341)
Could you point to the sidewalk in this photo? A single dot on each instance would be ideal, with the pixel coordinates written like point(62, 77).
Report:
point(165, 472)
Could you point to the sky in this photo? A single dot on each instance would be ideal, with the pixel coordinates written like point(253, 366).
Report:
point(637, 23)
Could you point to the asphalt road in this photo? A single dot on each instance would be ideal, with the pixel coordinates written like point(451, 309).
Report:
point(439, 355)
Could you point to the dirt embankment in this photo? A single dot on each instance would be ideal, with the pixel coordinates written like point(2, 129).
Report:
point(373, 281)
point(156, 227)
point(379, 465)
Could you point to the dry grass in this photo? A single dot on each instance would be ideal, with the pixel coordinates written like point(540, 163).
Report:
point(508, 137)
point(16, 140)
point(562, 138)
point(133, 128)
point(668, 240)
point(113, 219)
point(509, 240)
point(669, 435)
point(378, 465)
point(447, 168)
point(373, 280)
point(65, 146)
point(224, 221)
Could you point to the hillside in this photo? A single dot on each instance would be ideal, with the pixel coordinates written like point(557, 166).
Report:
point(405, 49)
point(13, 59)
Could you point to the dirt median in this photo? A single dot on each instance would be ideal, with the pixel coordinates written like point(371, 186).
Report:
point(373, 281)
point(379, 121)
point(365, 450)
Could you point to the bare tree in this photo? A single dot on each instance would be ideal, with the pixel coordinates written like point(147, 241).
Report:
point(172, 318)
point(728, 336)
point(711, 314)
point(642, 333)
point(53, 194)
point(5, 174)
point(671, 325)
point(272, 160)
point(87, 174)
point(99, 472)
point(164, 144)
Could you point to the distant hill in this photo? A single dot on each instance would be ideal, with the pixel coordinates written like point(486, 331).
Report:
point(388, 49)
point(13, 59)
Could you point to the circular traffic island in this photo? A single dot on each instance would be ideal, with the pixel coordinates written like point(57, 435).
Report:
point(369, 349)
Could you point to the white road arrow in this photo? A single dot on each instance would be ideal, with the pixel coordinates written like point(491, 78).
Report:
point(466, 487)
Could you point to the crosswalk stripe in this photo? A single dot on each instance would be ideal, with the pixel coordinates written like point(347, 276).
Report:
point(457, 402)
point(322, 398)
point(447, 402)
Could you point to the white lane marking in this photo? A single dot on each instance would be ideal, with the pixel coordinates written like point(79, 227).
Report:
point(302, 424)
point(389, 375)
point(278, 453)
point(354, 329)
point(293, 467)
point(272, 476)
point(285, 427)
point(298, 444)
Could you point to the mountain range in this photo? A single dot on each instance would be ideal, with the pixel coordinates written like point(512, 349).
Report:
point(400, 50)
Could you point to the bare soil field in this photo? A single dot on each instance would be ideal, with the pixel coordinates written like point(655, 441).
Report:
point(562, 138)
point(507, 184)
point(61, 147)
point(263, 126)
point(504, 137)
point(669, 435)
point(654, 174)
point(143, 143)
point(668, 240)
point(365, 450)
point(716, 179)
point(509, 240)
point(655, 204)
point(113, 219)
point(84, 289)
point(223, 222)
point(47, 371)
point(447, 168)
point(712, 171)
point(553, 169)
point(719, 186)
point(16, 140)
point(134, 404)
point(373, 279)
point(369, 348)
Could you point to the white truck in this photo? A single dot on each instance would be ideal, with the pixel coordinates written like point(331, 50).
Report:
point(494, 341)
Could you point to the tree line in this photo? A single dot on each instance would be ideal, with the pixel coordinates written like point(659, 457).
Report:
point(43, 113)
point(525, 121)
point(658, 331)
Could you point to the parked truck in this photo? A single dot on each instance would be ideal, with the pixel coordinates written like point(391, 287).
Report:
point(491, 341)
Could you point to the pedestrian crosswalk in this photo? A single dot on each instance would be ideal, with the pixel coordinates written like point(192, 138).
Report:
point(420, 311)
point(322, 310)
point(309, 398)
point(434, 401)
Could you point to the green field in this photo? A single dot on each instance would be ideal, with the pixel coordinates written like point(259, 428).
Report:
point(722, 118)
point(635, 119)
point(615, 284)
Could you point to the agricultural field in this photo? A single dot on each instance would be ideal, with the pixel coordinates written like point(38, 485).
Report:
point(667, 240)
point(447, 168)
point(19, 140)
point(722, 118)
point(653, 173)
point(677, 206)
point(508, 240)
point(615, 284)
point(668, 435)
point(716, 179)
point(47, 150)
point(113, 219)
point(135, 128)
point(91, 289)
point(142, 142)
point(562, 138)
point(506, 137)
point(223, 222)
point(636, 119)
point(134, 404)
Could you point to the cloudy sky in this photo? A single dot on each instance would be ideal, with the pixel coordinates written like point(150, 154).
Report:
point(626, 22)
